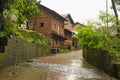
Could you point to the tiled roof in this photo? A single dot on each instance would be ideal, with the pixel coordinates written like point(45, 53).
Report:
point(64, 15)
point(51, 11)
point(68, 15)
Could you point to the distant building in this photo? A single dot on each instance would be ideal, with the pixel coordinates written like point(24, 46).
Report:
point(77, 25)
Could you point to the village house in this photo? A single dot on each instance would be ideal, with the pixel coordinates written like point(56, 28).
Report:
point(59, 30)
point(68, 30)
point(51, 24)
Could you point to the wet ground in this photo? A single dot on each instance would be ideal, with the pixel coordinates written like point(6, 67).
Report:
point(70, 66)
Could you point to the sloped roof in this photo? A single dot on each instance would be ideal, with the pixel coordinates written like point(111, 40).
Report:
point(64, 15)
point(79, 23)
point(51, 11)
point(68, 15)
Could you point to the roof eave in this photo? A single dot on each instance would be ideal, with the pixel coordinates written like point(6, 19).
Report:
point(53, 12)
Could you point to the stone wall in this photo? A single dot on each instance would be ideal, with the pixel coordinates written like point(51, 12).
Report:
point(102, 60)
point(99, 59)
point(17, 50)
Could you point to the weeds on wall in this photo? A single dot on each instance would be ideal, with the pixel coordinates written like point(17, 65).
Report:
point(27, 35)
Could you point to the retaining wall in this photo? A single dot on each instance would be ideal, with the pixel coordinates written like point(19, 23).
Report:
point(100, 59)
point(17, 50)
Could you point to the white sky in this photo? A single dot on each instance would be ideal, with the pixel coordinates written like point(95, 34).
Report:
point(80, 10)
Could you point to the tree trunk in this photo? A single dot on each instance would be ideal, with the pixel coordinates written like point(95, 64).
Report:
point(2, 6)
point(116, 14)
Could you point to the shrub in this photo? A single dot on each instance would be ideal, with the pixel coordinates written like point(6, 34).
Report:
point(27, 35)
point(90, 38)
point(100, 38)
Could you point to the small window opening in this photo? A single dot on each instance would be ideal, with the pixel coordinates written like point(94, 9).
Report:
point(41, 24)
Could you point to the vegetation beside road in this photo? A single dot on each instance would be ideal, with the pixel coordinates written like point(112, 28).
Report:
point(98, 35)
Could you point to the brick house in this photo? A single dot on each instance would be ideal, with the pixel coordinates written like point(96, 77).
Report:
point(51, 24)
point(68, 30)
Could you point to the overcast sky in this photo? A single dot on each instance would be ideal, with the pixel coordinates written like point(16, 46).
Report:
point(80, 10)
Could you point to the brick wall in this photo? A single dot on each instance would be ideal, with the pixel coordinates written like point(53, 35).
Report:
point(68, 24)
point(46, 29)
point(52, 24)
point(68, 32)
point(49, 21)
point(58, 23)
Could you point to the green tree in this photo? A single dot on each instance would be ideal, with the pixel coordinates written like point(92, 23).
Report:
point(16, 12)
point(106, 21)
point(106, 18)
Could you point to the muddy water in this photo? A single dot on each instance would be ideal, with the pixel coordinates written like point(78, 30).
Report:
point(70, 66)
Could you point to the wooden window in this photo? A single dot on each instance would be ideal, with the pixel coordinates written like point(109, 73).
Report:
point(41, 24)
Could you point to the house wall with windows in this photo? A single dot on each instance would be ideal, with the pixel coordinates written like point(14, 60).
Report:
point(57, 33)
point(58, 26)
point(51, 24)
point(43, 25)
point(68, 30)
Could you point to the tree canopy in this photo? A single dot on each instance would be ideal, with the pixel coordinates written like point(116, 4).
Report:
point(103, 19)
point(97, 35)
point(17, 11)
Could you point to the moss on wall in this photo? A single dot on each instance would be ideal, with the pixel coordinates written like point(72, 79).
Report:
point(99, 59)
point(17, 51)
point(102, 60)
point(2, 57)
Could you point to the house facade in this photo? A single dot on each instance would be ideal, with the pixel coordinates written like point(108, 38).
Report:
point(51, 24)
point(68, 30)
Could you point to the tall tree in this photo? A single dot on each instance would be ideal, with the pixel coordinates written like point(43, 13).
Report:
point(103, 19)
point(110, 19)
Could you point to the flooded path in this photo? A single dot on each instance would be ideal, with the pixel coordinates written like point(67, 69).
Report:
point(70, 66)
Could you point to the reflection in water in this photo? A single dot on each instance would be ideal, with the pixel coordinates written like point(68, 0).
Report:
point(71, 77)
point(86, 73)
point(60, 67)
point(75, 63)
